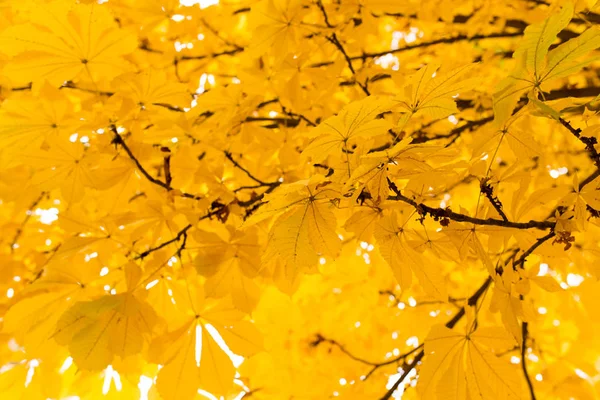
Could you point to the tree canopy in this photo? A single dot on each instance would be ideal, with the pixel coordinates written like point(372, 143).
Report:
point(299, 199)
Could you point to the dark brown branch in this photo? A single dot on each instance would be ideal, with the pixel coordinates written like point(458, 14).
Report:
point(28, 215)
point(525, 332)
point(247, 187)
point(212, 55)
point(267, 102)
point(216, 33)
point(409, 367)
point(588, 141)
point(117, 139)
point(169, 107)
point(218, 210)
point(591, 91)
point(336, 42)
point(325, 17)
point(167, 166)
point(488, 191)
point(255, 202)
point(472, 301)
point(275, 121)
point(229, 156)
point(293, 114)
point(181, 234)
point(449, 40)
point(22, 88)
point(395, 360)
point(520, 262)
point(441, 213)
point(71, 85)
point(589, 179)
point(582, 184)
point(321, 339)
point(454, 133)
point(241, 10)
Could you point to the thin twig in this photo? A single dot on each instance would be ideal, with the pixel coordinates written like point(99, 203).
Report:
point(181, 234)
point(525, 333)
point(588, 141)
point(520, 262)
point(488, 191)
point(336, 42)
point(325, 17)
point(28, 215)
point(117, 139)
point(229, 156)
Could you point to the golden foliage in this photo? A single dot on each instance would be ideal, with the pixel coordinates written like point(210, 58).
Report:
point(299, 199)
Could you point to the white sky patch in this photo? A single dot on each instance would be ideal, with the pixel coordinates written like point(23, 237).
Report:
point(151, 284)
point(203, 81)
point(574, 280)
point(413, 341)
point(409, 36)
point(198, 349)
point(31, 371)
point(66, 365)
point(542, 310)
point(111, 376)
point(388, 61)
point(236, 359)
point(581, 374)
point(393, 378)
point(47, 216)
point(144, 385)
point(555, 173)
point(539, 377)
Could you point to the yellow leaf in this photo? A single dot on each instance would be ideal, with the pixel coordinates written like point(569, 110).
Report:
point(98, 330)
point(307, 228)
point(65, 42)
point(488, 377)
point(432, 93)
point(393, 246)
point(539, 37)
point(562, 61)
point(355, 121)
point(216, 371)
point(179, 376)
point(459, 363)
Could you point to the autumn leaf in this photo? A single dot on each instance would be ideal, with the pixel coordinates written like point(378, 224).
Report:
point(433, 95)
point(393, 245)
point(63, 43)
point(339, 133)
point(460, 364)
point(286, 199)
point(536, 66)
